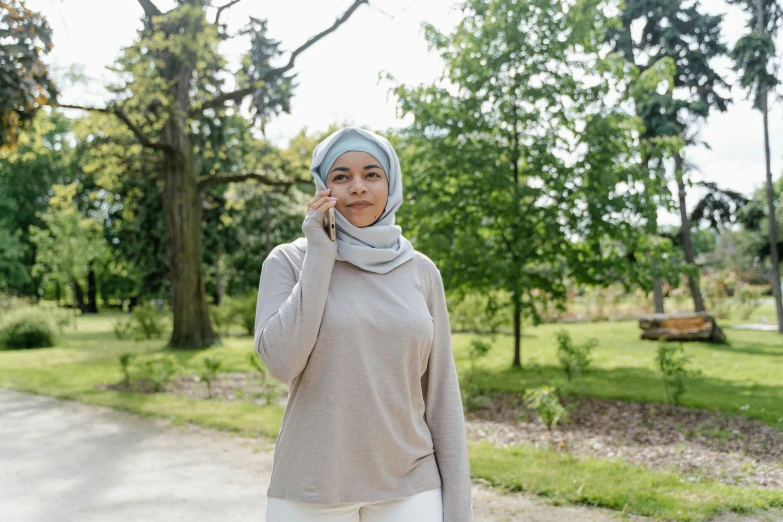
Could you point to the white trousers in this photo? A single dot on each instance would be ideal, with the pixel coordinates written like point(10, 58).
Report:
point(426, 506)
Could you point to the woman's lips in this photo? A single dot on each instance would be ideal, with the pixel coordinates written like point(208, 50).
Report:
point(359, 207)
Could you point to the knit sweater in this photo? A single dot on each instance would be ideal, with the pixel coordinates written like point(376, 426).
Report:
point(374, 410)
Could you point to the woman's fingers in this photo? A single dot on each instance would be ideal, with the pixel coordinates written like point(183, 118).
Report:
point(322, 201)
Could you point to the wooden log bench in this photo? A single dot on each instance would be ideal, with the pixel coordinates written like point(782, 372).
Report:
point(698, 326)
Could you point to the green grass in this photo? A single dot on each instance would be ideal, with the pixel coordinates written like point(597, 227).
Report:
point(741, 377)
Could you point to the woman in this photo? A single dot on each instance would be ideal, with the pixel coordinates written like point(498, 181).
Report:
point(373, 430)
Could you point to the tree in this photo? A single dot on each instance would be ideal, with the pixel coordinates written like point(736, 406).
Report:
point(70, 244)
point(676, 31)
point(522, 174)
point(753, 57)
point(173, 80)
point(25, 86)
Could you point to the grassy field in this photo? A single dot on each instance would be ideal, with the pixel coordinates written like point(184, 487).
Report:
point(742, 377)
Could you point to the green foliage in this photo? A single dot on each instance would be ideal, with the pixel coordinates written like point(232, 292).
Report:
point(222, 317)
point(574, 359)
point(472, 395)
point(244, 308)
point(673, 368)
point(156, 371)
point(544, 401)
point(125, 362)
point(27, 86)
point(27, 330)
point(255, 362)
point(209, 372)
point(123, 327)
point(148, 322)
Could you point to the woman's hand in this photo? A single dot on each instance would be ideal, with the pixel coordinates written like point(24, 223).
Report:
point(313, 226)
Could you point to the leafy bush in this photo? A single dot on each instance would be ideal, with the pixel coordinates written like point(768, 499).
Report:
point(575, 359)
point(125, 361)
point(544, 401)
point(244, 312)
point(472, 394)
point(672, 365)
point(148, 322)
point(222, 316)
point(157, 371)
point(209, 373)
point(123, 327)
point(27, 330)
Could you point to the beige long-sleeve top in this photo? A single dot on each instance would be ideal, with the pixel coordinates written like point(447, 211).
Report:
point(374, 409)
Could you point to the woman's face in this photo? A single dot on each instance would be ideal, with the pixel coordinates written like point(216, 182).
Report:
point(358, 176)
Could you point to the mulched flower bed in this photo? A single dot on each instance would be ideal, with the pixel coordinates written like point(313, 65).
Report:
point(694, 443)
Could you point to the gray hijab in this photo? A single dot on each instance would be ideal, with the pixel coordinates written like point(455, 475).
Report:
point(379, 247)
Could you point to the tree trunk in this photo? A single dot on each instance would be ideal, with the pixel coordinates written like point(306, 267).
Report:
point(78, 296)
point(685, 229)
point(517, 332)
point(92, 291)
point(192, 327)
point(773, 236)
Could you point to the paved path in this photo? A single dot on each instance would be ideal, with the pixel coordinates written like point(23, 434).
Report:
point(65, 461)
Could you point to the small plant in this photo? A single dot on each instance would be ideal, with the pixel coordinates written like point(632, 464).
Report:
point(575, 359)
point(149, 322)
point(222, 316)
point(123, 327)
point(472, 395)
point(543, 400)
point(672, 365)
point(209, 373)
point(256, 363)
point(125, 362)
point(158, 371)
point(27, 330)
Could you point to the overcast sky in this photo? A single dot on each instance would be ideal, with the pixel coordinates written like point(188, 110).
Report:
point(385, 36)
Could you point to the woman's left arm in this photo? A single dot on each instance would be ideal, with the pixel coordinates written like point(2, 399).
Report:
point(443, 411)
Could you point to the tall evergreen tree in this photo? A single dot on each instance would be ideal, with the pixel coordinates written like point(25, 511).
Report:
point(678, 31)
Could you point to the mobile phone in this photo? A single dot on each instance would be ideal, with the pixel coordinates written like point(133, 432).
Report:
point(329, 224)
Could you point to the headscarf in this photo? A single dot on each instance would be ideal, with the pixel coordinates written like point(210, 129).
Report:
point(379, 247)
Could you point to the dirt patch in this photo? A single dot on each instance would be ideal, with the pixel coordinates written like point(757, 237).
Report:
point(694, 443)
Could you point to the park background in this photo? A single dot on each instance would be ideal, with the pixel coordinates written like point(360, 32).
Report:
point(569, 166)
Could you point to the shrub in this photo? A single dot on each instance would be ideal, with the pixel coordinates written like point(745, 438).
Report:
point(209, 373)
point(543, 400)
point(472, 395)
point(158, 371)
point(222, 316)
point(27, 330)
point(575, 359)
point(244, 312)
point(149, 322)
point(672, 365)
point(123, 327)
point(125, 361)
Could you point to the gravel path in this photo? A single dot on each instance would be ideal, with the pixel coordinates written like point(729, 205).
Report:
point(66, 461)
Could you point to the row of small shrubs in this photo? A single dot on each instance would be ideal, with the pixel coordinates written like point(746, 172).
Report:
point(671, 362)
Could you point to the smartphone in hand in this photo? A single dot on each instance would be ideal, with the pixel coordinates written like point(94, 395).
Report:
point(329, 226)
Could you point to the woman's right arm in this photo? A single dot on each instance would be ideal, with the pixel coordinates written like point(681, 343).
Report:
point(289, 312)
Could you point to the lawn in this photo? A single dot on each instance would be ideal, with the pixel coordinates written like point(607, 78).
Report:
point(741, 377)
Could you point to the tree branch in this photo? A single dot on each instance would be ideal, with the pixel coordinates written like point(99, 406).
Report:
point(144, 140)
point(223, 8)
point(150, 9)
point(238, 95)
point(231, 177)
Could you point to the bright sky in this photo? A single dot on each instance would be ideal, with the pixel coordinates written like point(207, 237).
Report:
point(385, 36)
